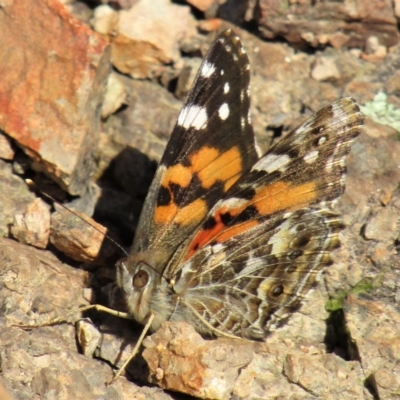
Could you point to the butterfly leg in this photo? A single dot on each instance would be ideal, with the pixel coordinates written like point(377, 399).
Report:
point(136, 348)
point(64, 317)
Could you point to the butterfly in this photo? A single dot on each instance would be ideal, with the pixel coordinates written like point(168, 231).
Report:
point(227, 241)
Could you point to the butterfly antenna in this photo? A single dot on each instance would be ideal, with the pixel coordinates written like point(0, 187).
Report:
point(36, 187)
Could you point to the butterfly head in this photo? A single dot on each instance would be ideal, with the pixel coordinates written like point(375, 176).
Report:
point(140, 283)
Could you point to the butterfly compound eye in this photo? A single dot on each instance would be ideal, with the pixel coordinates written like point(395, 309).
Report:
point(140, 279)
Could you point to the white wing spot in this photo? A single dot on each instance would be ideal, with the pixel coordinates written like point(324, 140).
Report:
point(216, 248)
point(253, 264)
point(193, 116)
point(222, 72)
point(233, 202)
point(321, 140)
point(226, 88)
point(311, 157)
point(223, 111)
point(207, 69)
point(329, 164)
point(272, 162)
point(324, 203)
point(242, 122)
point(258, 149)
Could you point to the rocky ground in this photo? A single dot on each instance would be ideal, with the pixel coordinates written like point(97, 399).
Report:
point(89, 93)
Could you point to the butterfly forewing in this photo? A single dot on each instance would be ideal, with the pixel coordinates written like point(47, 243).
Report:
point(210, 148)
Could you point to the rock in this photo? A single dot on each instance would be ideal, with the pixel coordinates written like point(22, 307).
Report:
point(325, 69)
point(376, 129)
point(6, 150)
point(37, 287)
point(373, 47)
point(88, 337)
point(186, 77)
point(79, 10)
point(384, 224)
point(15, 197)
point(346, 23)
point(60, 78)
point(147, 122)
point(202, 5)
point(105, 20)
point(397, 8)
point(147, 36)
point(377, 343)
point(80, 237)
point(33, 226)
point(180, 360)
point(114, 97)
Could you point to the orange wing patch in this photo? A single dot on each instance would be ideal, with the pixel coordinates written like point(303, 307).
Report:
point(223, 167)
point(279, 196)
point(210, 166)
point(202, 158)
point(193, 213)
point(165, 214)
point(190, 214)
point(177, 174)
point(284, 196)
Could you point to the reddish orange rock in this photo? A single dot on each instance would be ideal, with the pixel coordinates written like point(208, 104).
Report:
point(53, 72)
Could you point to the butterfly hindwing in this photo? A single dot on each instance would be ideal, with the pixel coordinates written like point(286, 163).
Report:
point(246, 286)
point(261, 249)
